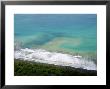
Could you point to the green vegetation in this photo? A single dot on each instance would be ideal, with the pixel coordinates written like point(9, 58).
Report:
point(27, 68)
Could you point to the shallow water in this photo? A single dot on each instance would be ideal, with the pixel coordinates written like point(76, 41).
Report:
point(73, 34)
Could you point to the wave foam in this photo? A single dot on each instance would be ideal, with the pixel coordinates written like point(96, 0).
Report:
point(43, 56)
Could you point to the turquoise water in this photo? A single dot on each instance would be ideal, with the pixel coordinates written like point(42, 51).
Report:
point(74, 34)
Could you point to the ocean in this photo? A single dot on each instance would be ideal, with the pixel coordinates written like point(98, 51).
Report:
point(59, 39)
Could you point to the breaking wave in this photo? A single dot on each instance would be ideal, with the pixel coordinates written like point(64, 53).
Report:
point(43, 56)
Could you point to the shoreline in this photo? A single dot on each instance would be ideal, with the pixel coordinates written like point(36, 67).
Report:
point(44, 56)
point(29, 68)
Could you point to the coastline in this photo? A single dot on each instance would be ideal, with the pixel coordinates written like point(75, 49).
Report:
point(29, 68)
point(44, 56)
point(61, 44)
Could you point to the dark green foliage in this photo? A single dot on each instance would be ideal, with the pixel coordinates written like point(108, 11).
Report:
point(26, 68)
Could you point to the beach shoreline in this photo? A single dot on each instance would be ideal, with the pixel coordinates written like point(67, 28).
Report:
point(62, 59)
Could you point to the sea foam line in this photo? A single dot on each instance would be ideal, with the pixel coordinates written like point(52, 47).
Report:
point(43, 56)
